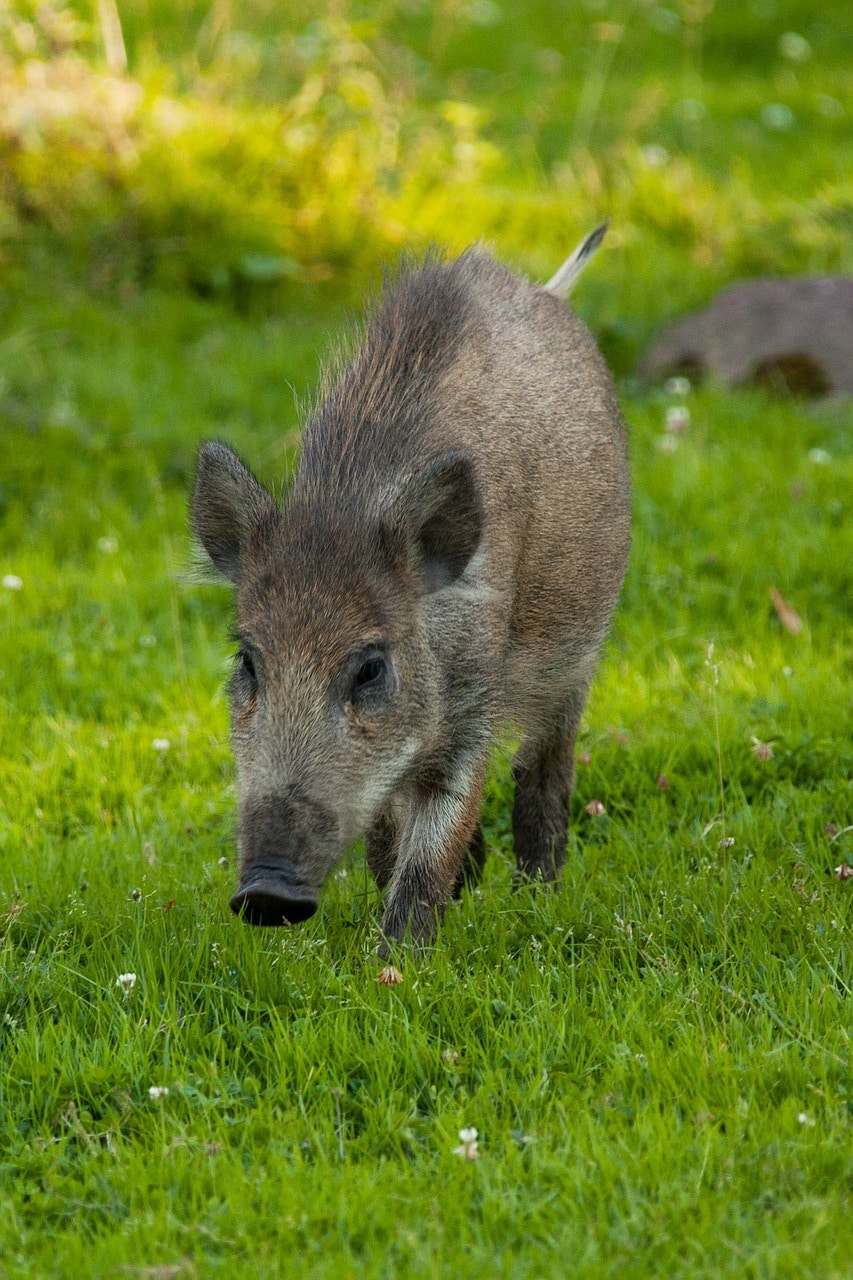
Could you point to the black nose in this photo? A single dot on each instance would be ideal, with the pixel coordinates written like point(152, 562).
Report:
point(267, 901)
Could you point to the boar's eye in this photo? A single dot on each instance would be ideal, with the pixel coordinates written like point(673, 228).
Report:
point(370, 676)
point(246, 665)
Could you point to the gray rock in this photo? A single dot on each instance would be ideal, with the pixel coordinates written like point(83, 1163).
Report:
point(793, 332)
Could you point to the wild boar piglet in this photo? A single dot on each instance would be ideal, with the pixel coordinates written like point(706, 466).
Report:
point(446, 563)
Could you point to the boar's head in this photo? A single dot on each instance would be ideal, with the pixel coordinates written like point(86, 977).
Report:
point(336, 691)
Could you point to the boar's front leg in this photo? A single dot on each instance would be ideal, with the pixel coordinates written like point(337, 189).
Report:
point(381, 844)
point(472, 866)
point(434, 843)
point(383, 841)
point(544, 775)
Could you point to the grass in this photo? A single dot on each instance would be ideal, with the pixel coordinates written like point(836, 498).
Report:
point(657, 1056)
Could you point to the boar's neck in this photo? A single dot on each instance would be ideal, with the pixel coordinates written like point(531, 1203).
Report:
point(383, 415)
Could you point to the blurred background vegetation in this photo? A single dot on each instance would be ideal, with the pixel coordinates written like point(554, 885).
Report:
point(245, 149)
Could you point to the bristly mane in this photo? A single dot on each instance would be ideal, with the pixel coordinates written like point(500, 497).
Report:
point(375, 405)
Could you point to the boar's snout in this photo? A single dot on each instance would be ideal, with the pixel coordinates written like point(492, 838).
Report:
point(267, 898)
point(288, 845)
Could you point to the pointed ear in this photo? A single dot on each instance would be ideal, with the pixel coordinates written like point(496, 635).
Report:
point(437, 520)
point(229, 507)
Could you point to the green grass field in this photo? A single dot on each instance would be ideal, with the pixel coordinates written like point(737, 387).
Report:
point(656, 1057)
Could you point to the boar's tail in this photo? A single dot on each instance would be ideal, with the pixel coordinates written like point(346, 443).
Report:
point(563, 280)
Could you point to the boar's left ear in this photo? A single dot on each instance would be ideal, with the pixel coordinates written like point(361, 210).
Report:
point(438, 518)
point(229, 507)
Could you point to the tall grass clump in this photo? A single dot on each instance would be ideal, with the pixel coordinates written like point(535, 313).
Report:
point(207, 183)
point(190, 189)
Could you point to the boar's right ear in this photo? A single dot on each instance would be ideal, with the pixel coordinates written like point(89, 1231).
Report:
point(229, 507)
point(437, 519)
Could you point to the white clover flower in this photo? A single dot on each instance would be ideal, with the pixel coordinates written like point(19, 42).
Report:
point(692, 110)
point(157, 1092)
point(108, 546)
point(677, 419)
point(829, 106)
point(467, 1145)
point(794, 47)
point(161, 744)
point(482, 13)
point(127, 981)
point(820, 457)
point(678, 386)
point(389, 976)
point(775, 115)
point(664, 20)
point(654, 156)
point(802, 1118)
point(12, 582)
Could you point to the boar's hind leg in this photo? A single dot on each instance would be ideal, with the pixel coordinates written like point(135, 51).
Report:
point(544, 774)
point(432, 849)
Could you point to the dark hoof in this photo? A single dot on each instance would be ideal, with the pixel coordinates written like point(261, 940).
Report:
point(266, 902)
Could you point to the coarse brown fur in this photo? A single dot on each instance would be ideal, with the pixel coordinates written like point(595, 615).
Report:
point(447, 562)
